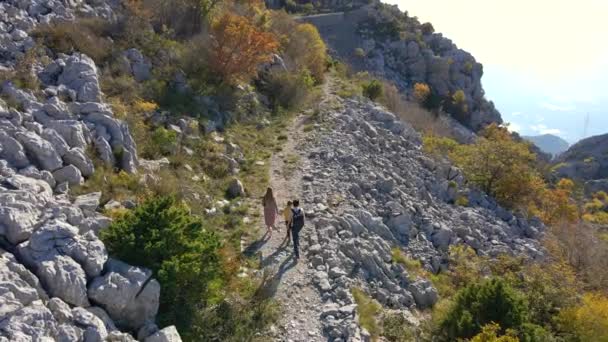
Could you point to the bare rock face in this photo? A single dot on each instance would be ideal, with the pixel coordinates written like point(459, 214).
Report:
point(393, 196)
point(127, 293)
point(168, 334)
point(79, 73)
point(41, 150)
point(50, 252)
point(416, 54)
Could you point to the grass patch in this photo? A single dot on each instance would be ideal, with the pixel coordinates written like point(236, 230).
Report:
point(413, 266)
point(290, 163)
point(369, 311)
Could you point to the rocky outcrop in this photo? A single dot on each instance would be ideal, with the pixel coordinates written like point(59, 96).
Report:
point(18, 18)
point(390, 196)
point(52, 135)
point(56, 280)
point(399, 48)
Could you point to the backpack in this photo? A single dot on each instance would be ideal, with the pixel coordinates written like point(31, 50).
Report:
point(298, 218)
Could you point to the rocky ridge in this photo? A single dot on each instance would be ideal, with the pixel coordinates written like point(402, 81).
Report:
point(398, 47)
point(56, 279)
point(586, 161)
point(368, 188)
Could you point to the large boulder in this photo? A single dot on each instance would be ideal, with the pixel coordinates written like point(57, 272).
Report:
point(30, 323)
point(424, 293)
point(12, 151)
point(140, 68)
point(168, 334)
point(51, 135)
point(77, 157)
point(80, 74)
point(63, 278)
point(44, 154)
point(235, 189)
point(129, 294)
point(18, 286)
point(69, 174)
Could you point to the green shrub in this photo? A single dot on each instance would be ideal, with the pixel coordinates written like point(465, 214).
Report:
point(396, 328)
point(481, 303)
point(427, 28)
point(288, 90)
point(372, 89)
point(162, 142)
point(161, 235)
point(411, 265)
point(534, 333)
point(457, 106)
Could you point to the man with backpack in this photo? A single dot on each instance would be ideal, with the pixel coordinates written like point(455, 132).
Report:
point(297, 222)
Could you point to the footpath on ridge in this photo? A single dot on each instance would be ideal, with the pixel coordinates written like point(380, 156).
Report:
point(291, 283)
point(368, 189)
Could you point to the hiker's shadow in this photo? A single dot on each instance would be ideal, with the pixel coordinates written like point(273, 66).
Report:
point(270, 284)
point(271, 257)
point(255, 246)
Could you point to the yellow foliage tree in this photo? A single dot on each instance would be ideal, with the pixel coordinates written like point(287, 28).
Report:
point(422, 91)
point(596, 210)
point(489, 333)
point(301, 44)
point(501, 166)
point(589, 320)
point(238, 47)
point(556, 205)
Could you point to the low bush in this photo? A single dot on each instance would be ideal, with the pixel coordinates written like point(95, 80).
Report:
point(162, 142)
point(596, 210)
point(23, 75)
point(482, 303)
point(396, 328)
point(587, 321)
point(161, 235)
point(411, 265)
point(421, 93)
point(89, 36)
point(491, 333)
point(288, 90)
point(369, 312)
point(372, 89)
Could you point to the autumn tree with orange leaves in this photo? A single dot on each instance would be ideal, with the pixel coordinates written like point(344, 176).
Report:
point(238, 47)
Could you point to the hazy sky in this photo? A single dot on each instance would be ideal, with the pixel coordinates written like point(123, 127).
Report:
point(545, 61)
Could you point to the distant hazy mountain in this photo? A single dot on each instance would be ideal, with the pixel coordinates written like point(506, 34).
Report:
point(549, 143)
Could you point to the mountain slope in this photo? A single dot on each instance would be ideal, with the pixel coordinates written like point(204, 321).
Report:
point(585, 160)
point(390, 44)
point(549, 143)
point(367, 187)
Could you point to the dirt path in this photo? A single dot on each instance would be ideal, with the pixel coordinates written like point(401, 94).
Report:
point(291, 283)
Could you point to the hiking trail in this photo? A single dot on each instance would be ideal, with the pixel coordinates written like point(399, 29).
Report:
point(291, 283)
